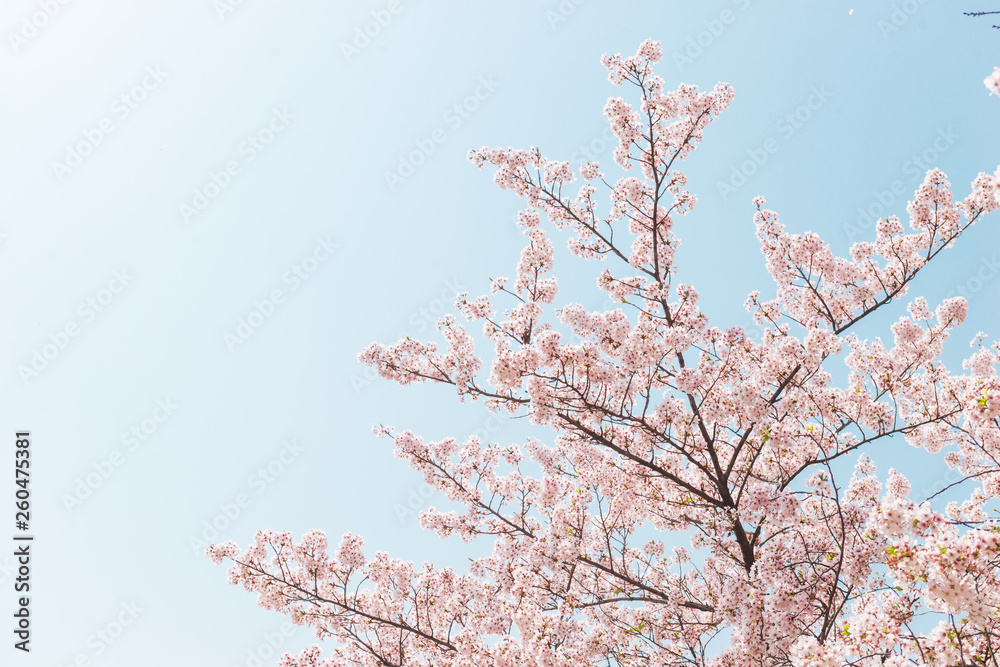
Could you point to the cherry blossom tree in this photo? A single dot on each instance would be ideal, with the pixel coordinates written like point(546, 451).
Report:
point(666, 430)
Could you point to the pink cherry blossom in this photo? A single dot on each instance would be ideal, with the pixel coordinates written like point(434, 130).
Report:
point(992, 82)
point(665, 428)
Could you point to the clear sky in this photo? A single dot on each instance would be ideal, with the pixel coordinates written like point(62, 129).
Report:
point(171, 168)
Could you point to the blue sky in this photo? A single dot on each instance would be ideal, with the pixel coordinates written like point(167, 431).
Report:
point(173, 168)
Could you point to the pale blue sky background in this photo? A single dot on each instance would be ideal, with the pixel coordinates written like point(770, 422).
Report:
point(897, 77)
